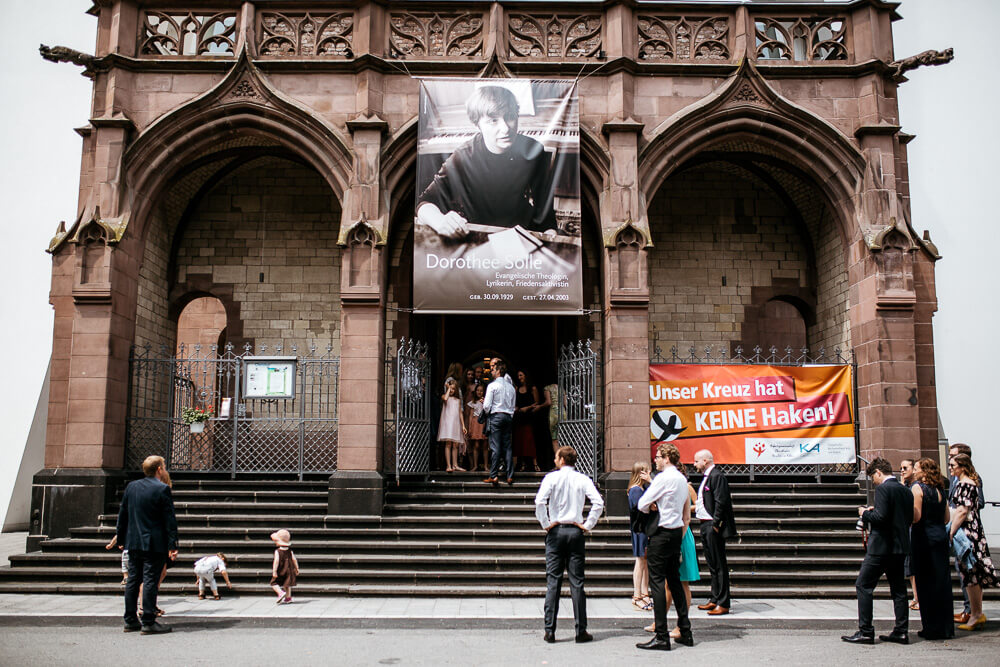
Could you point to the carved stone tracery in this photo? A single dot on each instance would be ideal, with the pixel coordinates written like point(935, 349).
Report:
point(432, 34)
point(287, 34)
point(678, 38)
point(557, 36)
point(801, 38)
point(191, 34)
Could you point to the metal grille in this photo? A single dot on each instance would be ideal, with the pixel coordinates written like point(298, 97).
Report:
point(267, 435)
point(578, 413)
point(774, 357)
point(413, 408)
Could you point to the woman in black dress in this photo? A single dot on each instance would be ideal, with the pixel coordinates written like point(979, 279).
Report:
point(982, 574)
point(929, 551)
point(526, 403)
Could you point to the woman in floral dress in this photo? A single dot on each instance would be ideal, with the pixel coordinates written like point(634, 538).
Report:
point(982, 574)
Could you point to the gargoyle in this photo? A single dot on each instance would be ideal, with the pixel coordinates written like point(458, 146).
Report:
point(929, 57)
point(64, 54)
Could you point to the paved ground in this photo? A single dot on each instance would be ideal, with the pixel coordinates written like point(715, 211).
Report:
point(242, 643)
point(11, 543)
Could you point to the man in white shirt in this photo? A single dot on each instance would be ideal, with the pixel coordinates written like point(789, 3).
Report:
point(714, 511)
point(669, 493)
point(559, 509)
point(499, 405)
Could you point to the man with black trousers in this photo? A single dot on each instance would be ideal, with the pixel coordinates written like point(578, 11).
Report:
point(667, 495)
point(888, 543)
point(147, 527)
point(714, 510)
point(559, 510)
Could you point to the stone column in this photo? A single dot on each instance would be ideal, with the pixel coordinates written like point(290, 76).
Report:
point(626, 315)
point(93, 294)
point(356, 488)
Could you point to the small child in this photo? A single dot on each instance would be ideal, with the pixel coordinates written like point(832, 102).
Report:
point(111, 545)
point(206, 568)
point(451, 427)
point(477, 436)
point(285, 567)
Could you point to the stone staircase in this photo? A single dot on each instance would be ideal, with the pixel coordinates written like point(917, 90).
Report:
point(451, 535)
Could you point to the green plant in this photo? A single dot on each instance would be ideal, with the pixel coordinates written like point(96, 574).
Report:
point(195, 415)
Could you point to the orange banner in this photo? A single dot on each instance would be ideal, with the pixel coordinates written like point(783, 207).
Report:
point(753, 414)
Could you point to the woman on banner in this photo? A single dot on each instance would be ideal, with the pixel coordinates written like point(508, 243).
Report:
point(498, 178)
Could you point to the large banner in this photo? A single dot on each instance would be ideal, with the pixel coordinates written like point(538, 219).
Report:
point(497, 216)
point(754, 414)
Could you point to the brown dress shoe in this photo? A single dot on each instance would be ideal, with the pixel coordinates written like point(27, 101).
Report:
point(718, 611)
point(707, 606)
point(962, 618)
point(490, 480)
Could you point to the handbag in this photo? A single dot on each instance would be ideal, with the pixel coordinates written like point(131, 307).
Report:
point(651, 522)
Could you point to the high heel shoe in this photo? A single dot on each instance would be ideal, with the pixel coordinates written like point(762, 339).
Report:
point(978, 625)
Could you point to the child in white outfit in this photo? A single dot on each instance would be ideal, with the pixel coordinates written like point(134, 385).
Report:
point(206, 568)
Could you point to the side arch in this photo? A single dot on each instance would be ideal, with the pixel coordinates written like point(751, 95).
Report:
point(747, 110)
point(243, 105)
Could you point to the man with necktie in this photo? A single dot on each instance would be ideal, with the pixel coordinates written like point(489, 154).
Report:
point(714, 510)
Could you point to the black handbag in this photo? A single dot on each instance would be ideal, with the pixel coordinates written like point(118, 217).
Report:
point(652, 522)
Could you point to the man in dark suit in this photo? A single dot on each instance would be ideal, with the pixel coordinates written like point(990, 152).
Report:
point(888, 543)
point(714, 509)
point(147, 527)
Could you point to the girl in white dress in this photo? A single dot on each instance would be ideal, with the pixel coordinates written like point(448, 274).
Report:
point(451, 427)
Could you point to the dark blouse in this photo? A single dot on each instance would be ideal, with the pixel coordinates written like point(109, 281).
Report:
point(502, 190)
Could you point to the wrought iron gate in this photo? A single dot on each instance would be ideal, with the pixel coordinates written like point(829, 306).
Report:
point(295, 435)
point(413, 408)
point(579, 404)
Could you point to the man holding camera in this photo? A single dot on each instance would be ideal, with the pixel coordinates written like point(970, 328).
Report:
point(888, 544)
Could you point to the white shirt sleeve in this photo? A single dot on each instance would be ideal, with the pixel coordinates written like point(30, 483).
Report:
point(490, 393)
point(542, 501)
point(651, 495)
point(596, 506)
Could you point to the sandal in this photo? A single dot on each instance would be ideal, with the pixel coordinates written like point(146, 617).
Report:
point(159, 612)
point(915, 606)
point(201, 596)
point(651, 627)
point(638, 602)
point(216, 597)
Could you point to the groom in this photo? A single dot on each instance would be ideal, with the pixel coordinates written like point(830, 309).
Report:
point(499, 405)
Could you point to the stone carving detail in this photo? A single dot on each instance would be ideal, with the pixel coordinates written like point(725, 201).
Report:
point(929, 57)
point(627, 245)
point(679, 38)
point(558, 36)
point(191, 34)
point(64, 54)
point(328, 35)
point(746, 93)
point(244, 90)
point(801, 39)
point(423, 34)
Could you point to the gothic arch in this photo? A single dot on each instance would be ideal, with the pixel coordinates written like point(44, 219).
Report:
point(243, 104)
point(747, 108)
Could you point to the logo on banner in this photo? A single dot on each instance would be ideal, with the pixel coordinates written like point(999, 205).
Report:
point(665, 426)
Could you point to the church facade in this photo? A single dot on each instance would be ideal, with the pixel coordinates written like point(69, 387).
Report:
point(247, 186)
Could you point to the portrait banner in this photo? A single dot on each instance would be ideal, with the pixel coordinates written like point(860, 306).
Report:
point(497, 211)
point(754, 414)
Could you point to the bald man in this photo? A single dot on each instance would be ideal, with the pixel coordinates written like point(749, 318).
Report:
point(714, 511)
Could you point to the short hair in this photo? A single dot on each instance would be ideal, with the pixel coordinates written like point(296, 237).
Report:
point(501, 365)
point(670, 452)
point(492, 101)
point(567, 454)
point(879, 464)
point(222, 557)
point(152, 464)
point(962, 448)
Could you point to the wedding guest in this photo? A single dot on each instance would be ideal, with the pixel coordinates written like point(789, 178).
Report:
point(955, 450)
point(982, 573)
point(907, 477)
point(640, 571)
point(929, 551)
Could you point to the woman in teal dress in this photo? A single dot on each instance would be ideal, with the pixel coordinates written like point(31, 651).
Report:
point(689, 565)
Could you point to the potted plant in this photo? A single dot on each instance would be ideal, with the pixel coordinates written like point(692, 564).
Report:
point(196, 417)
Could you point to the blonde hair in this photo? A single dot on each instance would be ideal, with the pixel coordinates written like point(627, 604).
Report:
point(151, 465)
point(637, 468)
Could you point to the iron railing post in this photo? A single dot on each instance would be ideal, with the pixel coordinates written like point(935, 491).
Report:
point(238, 396)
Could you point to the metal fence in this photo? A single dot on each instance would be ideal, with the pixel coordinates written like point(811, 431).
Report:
point(297, 434)
point(775, 357)
point(579, 403)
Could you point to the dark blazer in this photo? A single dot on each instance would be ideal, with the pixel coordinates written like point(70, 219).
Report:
point(719, 503)
point(889, 523)
point(146, 520)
